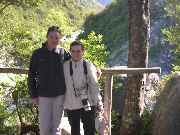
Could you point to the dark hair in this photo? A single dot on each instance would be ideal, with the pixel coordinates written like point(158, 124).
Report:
point(52, 29)
point(76, 43)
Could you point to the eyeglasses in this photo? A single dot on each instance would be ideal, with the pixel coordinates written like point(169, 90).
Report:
point(77, 51)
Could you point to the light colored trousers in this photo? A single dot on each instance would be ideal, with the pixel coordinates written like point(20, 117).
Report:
point(50, 114)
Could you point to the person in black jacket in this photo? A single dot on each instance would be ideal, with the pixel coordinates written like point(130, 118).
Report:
point(47, 83)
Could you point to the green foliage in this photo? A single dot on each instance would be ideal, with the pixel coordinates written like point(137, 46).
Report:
point(3, 115)
point(96, 51)
point(146, 120)
point(25, 110)
point(172, 33)
point(18, 35)
point(59, 18)
point(19, 3)
point(23, 29)
point(175, 70)
point(115, 123)
point(15, 108)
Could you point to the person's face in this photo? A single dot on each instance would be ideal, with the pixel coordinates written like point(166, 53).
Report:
point(53, 38)
point(77, 53)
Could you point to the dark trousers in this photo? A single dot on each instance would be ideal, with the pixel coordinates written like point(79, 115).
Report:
point(88, 120)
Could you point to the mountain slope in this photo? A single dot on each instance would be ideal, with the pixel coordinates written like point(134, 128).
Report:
point(113, 24)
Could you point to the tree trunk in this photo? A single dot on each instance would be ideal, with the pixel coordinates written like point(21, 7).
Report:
point(137, 58)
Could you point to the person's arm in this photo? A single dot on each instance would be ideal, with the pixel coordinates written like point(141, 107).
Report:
point(32, 76)
point(94, 85)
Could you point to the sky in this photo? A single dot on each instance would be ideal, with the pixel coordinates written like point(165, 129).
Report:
point(105, 2)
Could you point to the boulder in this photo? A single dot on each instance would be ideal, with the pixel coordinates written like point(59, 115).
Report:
point(166, 117)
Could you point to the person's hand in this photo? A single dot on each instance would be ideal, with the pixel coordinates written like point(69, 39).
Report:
point(35, 101)
point(98, 73)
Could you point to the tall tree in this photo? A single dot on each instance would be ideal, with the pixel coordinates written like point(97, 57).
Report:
point(139, 24)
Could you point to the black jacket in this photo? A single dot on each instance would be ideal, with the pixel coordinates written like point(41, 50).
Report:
point(46, 76)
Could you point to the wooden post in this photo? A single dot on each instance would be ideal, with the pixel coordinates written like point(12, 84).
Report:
point(14, 70)
point(105, 71)
point(119, 70)
point(108, 100)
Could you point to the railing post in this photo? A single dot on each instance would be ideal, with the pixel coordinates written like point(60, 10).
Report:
point(108, 99)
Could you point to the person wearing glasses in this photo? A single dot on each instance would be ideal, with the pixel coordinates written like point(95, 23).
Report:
point(82, 97)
